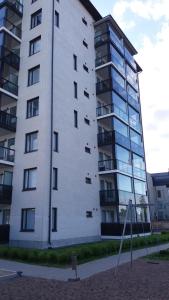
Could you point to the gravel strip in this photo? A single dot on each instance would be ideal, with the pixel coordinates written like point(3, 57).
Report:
point(146, 281)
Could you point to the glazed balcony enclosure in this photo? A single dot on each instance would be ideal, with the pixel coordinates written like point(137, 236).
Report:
point(7, 155)
point(10, 18)
point(14, 4)
point(115, 164)
point(5, 194)
point(7, 122)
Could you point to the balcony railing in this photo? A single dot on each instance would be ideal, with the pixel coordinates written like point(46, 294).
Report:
point(116, 229)
point(7, 121)
point(7, 154)
point(102, 60)
point(111, 108)
point(8, 86)
point(104, 37)
point(108, 197)
point(11, 27)
point(112, 164)
point(17, 5)
point(9, 57)
point(109, 137)
point(5, 194)
point(103, 86)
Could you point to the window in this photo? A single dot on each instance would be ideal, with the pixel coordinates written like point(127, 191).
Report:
point(28, 219)
point(33, 75)
point(54, 219)
point(56, 141)
point(119, 79)
point(85, 44)
point(55, 178)
point(88, 180)
point(56, 19)
point(159, 194)
point(36, 18)
point(75, 119)
point(87, 121)
point(34, 1)
point(134, 119)
point(89, 214)
point(86, 68)
point(87, 150)
point(75, 62)
point(31, 143)
point(30, 178)
point(135, 137)
point(75, 90)
point(34, 46)
point(84, 21)
point(32, 108)
point(86, 94)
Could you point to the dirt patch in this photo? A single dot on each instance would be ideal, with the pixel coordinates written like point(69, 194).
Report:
point(145, 282)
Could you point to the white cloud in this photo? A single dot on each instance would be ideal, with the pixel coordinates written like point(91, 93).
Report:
point(147, 9)
point(154, 85)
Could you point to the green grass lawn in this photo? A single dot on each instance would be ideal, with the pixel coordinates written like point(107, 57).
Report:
point(85, 252)
point(161, 255)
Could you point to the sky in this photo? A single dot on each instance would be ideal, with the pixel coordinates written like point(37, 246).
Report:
point(146, 24)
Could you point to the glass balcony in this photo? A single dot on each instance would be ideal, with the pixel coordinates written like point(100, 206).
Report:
point(103, 86)
point(122, 140)
point(11, 27)
point(133, 102)
point(141, 200)
point(130, 59)
point(139, 173)
point(105, 138)
point(7, 154)
point(8, 86)
point(5, 194)
point(114, 164)
point(100, 39)
point(16, 4)
point(125, 196)
point(108, 197)
point(112, 108)
point(137, 149)
point(102, 60)
point(115, 40)
point(119, 89)
point(7, 121)
point(9, 57)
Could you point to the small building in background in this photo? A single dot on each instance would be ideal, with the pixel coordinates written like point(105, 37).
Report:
point(158, 189)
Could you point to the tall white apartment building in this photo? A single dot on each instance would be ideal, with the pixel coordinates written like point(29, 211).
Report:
point(71, 141)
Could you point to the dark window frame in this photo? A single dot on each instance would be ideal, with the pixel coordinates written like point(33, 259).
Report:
point(26, 141)
point(22, 220)
point(25, 189)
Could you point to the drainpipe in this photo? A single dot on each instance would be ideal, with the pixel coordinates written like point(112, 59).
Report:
point(51, 127)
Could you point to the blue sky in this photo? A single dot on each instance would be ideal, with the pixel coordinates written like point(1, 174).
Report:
point(146, 24)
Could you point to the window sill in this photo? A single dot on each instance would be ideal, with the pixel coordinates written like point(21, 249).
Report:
point(28, 190)
point(30, 151)
point(22, 230)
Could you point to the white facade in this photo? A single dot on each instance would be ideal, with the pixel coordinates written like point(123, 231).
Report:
point(57, 193)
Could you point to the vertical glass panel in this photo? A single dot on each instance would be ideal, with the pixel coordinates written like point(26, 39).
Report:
point(119, 79)
point(135, 137)
point(140, 187)
point(124, 183)
point(119, 102)
point(122, 154)
point(134, 119)
point(138, 162)
point(120, 127)
point(8, 178)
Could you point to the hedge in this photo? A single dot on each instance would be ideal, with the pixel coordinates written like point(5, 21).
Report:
point(86, 252)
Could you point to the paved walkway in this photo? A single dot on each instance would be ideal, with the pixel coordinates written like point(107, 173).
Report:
point(84, 271)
